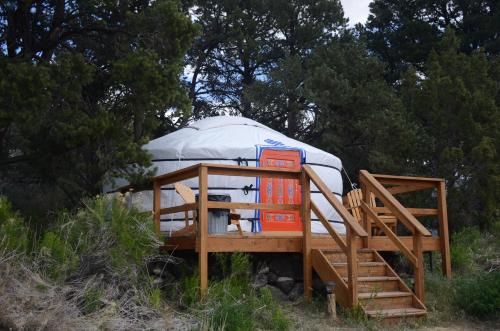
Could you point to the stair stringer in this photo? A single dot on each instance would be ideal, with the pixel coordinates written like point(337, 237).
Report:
point(327, 272)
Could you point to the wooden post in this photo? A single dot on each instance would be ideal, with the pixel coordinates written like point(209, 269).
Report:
point(419, 266)
point(332, 306)
point(157, 206)
point(306, 241)
point(352, 267)
point(203, 229)
point(443, 230)
point(367, 222)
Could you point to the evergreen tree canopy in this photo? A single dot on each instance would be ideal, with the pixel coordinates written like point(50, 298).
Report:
point(248, 42)
point(83, 84)
point(456, 105)
point(403, 33)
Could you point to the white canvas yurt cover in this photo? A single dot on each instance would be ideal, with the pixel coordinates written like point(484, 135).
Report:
point(241, 141)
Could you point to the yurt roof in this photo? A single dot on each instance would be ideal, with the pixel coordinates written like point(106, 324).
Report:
point(228, 137)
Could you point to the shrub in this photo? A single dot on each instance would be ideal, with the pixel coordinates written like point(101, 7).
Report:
point(462, 249)
point(14, 234)
point(103, 237)
point(479, 295)
point(232, 303)
point(57, 256)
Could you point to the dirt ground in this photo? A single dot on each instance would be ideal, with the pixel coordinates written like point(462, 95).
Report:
point(315, 318)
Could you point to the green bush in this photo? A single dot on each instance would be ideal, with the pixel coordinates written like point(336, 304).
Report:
point(57, 256)
point(103, 237)
point(232, 303)
point(14, 234)
point(479, 295)
point(464, 244)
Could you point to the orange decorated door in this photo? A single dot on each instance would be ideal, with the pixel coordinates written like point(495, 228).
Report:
point(280, 191)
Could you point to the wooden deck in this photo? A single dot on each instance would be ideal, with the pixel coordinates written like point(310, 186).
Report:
point(286, 242)
point(351, 260)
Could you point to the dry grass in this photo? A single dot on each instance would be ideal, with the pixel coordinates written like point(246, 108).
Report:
point(88, 273)
point(29, 302)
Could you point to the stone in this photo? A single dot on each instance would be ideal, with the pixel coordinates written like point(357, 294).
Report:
point(259, 281)
point(157, 271)
point(157, 281)
point(296, 292)
point(277, 293)
point(264, 270)
point(272, 278)
point(285, 284)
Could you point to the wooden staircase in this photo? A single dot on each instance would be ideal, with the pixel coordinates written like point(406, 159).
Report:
point(381, 293)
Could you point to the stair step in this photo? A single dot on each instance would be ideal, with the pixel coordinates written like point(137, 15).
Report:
point(377, 284)
point(361, 264)
point(392, 294)
point(339, 256)
point(365, 269)
point(396, 312)
point(374, 278)
point(386, 300)
point(360, 250)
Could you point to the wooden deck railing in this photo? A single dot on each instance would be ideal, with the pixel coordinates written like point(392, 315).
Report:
point(374, 184)
point(306, 175)
point(355, 232)
point(202, 171)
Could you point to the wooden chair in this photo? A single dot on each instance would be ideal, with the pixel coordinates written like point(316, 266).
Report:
point(189, 197)
point(353, 201)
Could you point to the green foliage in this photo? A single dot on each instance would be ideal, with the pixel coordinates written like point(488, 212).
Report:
point(455, 105)
point(479, 295)
point(357, 114)
point(87, 88)
point(232, 303)
point(474, 289)
point(404, 33)
point(14, 234)
point(155, 298)
point(190, 291)
point(103, 237)
point(92, 299)
point(356, 315)
point(227, 70)
point(57, 256)
point(464, 244)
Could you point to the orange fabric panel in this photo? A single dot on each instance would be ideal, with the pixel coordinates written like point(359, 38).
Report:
point(280, 191)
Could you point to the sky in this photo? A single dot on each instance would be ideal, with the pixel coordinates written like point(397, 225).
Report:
point(356, 10)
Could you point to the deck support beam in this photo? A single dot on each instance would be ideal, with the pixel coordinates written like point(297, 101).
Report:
point(157, 206)
point(443, 230)
point(306, 224)
point(203, 230)
point(419, 267)
point(352, 267)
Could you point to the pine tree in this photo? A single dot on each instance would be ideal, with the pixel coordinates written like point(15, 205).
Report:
point(456, 104)
point(403, 33)
point(84, 83)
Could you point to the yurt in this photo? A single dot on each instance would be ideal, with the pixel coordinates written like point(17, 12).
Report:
point(242, 141)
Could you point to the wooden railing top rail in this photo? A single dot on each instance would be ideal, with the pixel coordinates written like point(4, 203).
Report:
point(389, 179)
point(393, 204)
point(225, 170)
point(339, 207)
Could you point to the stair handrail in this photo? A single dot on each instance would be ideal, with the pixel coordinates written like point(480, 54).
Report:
point(339, 207)
point(366, 179)
point(389, 233)
point(353, 230)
